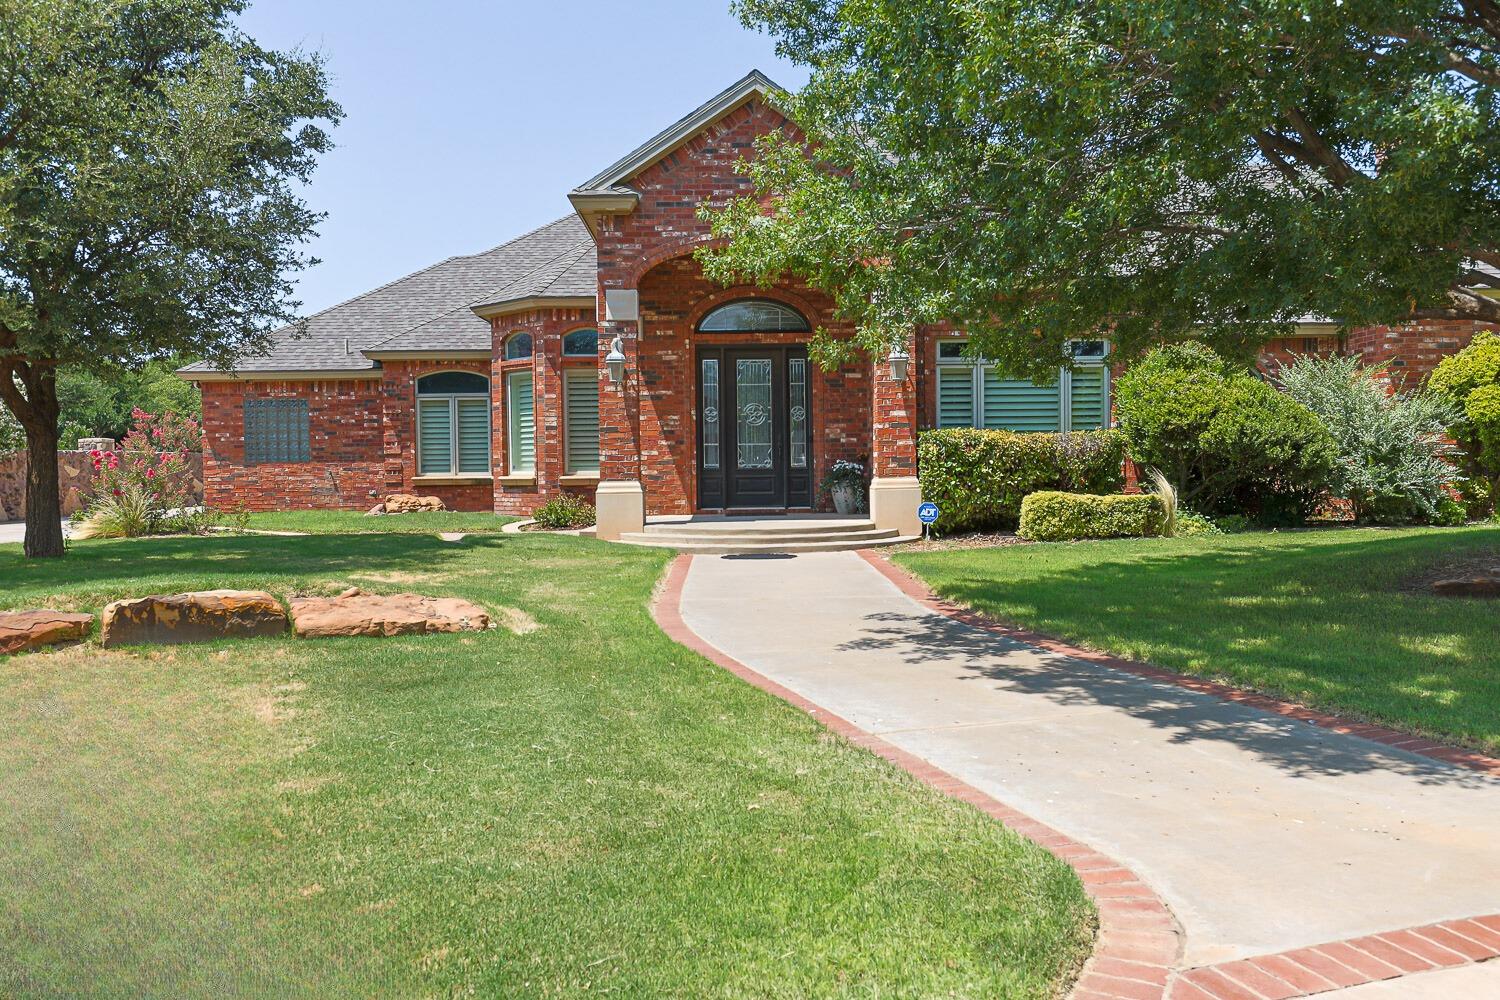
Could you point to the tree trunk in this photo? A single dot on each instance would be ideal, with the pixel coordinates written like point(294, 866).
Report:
point(44, 537)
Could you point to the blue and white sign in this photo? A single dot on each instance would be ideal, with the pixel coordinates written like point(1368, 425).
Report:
point(928, 513)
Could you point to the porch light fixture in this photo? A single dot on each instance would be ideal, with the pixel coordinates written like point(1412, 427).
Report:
point(900, 361)
point(615, 360)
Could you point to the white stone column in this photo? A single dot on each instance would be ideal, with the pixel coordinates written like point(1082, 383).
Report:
point(621, 507)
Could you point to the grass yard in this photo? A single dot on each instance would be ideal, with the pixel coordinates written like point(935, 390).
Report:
point(350, 522)
point(573, 809)
point(1328, 618)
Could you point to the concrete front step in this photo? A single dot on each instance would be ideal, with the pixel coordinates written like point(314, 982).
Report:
point(693, 536)
point(791, 527)
point(767, 543)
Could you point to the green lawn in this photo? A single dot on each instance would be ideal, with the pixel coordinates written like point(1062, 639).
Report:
point(1322, 617)
point(349, 522)
point(582, 809)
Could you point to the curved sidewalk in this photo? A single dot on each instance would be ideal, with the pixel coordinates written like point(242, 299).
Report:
point(1296, 860)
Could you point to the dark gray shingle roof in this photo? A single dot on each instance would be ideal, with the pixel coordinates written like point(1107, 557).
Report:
point(437, 298)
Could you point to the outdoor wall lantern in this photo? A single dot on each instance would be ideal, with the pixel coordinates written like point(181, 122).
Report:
point(900, 361)
point(615, 360)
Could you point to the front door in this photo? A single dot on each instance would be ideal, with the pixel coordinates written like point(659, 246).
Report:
point(754, 428)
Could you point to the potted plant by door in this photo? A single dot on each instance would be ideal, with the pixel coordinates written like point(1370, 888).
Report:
point(845, 483)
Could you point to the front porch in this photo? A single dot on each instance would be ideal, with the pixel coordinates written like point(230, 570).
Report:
point(709, 534)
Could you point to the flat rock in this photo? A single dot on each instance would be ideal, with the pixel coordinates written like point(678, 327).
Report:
point(1469, 586)
point(21, 631)
point(201, 616)
point(406, 503)
point(356, 613)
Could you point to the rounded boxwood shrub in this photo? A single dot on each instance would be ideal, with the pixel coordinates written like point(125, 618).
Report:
point(1227, 440)
point(1470, 381)
point(979, 478)
point(1050, 516)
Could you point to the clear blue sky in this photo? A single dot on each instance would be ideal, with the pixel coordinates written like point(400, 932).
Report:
point(469, 121)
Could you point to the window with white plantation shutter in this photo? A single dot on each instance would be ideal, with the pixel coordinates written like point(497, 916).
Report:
point(955, 396)
point(453, 424)
point(1088, 398)
point(1015, 405)
point(972, 394)
point(474, 436)
point(581, 421)
point(435, 436)
point(521, 423)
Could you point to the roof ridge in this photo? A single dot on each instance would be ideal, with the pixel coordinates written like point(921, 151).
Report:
point(420, 271)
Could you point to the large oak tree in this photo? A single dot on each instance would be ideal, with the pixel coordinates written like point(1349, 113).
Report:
point(1042, 170)
point(149, 159)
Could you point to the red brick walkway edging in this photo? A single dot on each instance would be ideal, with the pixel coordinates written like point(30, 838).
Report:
point(1394, 738)
point(1139, 940)
point(1306, 972)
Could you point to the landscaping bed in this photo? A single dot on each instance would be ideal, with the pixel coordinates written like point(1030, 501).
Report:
point(1325, 617)
point(575, 807)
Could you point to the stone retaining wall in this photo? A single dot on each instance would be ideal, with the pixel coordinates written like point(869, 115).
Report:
point(75, 475)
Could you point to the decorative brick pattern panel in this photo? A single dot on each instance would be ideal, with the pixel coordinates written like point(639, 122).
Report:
point(346, 470)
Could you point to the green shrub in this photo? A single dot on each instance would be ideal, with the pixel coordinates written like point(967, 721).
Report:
point(1059, 517)
point(1228, 441)
point(564, 511)
point(1470, 381)
point(979, 478)
point(1190, 524)
point(1391, 465)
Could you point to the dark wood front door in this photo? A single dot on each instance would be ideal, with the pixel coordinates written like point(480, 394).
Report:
point(754, 428)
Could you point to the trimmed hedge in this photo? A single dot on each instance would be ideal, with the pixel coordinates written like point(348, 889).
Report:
point(1063, 517)
point(979, 478)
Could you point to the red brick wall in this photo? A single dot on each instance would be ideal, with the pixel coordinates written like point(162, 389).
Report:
point(547, 328)
point(398, 390)
point(1413, 350)
point(346, 466)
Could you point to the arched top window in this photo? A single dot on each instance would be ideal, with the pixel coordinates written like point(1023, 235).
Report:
point(453, 384)
point(581, 344)
point(518, 347)
point(754, 316)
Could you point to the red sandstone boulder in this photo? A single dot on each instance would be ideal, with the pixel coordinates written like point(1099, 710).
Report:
point(356, 613)
point(202, 616)
point(406, 503)
point(1472, 586)
point(26, 630)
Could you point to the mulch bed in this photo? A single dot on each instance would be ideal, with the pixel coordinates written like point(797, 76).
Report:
point(1484, 562)
point(975, 540)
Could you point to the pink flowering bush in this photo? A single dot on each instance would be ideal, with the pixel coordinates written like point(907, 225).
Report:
point(145, 487)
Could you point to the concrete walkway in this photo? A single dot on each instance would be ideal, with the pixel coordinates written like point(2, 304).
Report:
point(1261, 833)
point(15, 532)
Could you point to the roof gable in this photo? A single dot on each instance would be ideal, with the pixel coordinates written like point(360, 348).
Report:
point(610, 180)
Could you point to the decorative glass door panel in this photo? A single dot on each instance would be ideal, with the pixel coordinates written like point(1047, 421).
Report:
point(755, 423)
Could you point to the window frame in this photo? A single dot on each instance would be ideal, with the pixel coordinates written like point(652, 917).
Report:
point(563, 343)
point(302, 416)
point(702, 325)
point(512, 428)
point(505, 355)
point(452, 398)
point(980, 366)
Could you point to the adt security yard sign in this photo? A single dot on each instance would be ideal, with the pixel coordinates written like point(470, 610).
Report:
point(928, 514)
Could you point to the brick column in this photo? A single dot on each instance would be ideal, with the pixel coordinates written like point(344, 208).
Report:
point(620, 499)
point(894, 492)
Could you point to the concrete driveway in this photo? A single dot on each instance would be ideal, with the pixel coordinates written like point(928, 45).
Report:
point(1262, 834)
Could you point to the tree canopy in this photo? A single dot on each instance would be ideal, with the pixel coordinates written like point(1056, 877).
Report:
point(150, 154)
point(1043, 170)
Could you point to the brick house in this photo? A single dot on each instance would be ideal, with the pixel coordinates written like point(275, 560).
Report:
point(591, 355)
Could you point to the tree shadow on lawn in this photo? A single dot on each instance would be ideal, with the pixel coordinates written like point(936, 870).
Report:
point(1232, 604)
point(141, 566)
